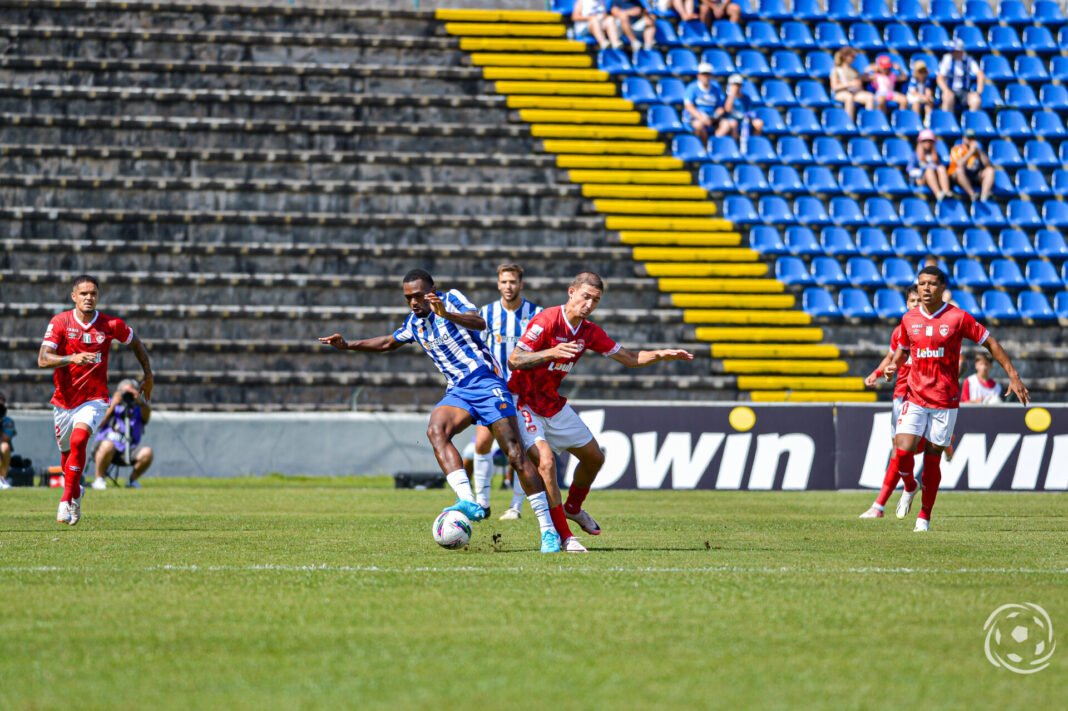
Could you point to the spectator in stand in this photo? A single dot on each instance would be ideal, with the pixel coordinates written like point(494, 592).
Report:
point(703, 102)
point(926, 168)
point(712, 10)
point(979, 388)
point(884, 79)
point(684, 8)
point(847, 85)
point(632, 16)
point(591, 17)
point(7, 432)
point(956, 74)
point(969, 165)
point(736, 118)
point(920, 91)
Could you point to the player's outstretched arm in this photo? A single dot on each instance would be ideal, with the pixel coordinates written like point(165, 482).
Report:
point(872, 379)
point(899, 357)
point(644, 358)
point(470, 320)
point(146, 367)
point(521, 359)
point(47, 358)
point(1015, 384)
point(378, 344)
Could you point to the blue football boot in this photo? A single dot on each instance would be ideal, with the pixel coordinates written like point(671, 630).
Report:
point(550, 542)
point(471, 509)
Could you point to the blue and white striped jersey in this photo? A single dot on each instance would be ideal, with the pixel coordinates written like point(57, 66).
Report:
point(456, 351)
point(504, 328)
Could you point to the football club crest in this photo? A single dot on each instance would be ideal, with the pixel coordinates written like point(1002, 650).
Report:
point(943, 330)
point(100, 338)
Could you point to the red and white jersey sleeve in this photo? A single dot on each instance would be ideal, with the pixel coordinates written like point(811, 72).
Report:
point(934, 343)
point(78, 384)
point(901, 385)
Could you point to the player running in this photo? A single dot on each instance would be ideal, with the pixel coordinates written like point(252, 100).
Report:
point(447, 328)
point(76, 346)
point(552, 344)
point(931, 336)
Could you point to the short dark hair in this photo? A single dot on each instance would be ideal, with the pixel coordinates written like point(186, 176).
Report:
point(417, 275)
point(912, 289)
point(983, 355)
point(935, 272)
point(82, 278)
point(590, 279)
point(518, 270)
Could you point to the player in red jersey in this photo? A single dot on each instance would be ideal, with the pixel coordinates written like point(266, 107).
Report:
point(931, 336)
point(553, 342)
point(912, 300)
point(76, 345)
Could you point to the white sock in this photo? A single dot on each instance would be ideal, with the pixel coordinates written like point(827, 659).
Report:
point(460, 484)
point(483, 475)
point(618, 45)
point(517, 493)
point(877, 506)
point(649, 44)
point(539, 504)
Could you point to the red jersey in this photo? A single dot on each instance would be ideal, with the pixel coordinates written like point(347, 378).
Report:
point(901, 385)
point(933, 341)
point(538, 388)
point(78, 384)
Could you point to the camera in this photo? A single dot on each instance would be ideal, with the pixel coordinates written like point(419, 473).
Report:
point(128, 398)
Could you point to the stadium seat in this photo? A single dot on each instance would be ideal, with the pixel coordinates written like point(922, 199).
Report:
point(791, 270)
point(934, 38)
point(907, 242)
point(614, 61)
point(836, 122)
point(819, 180)
point(1012, 124)
point(1058, 69)
point(1064, 152)
point(1048, 124)
point(889, 303)
point(1014, 12)
point(776, 92)
point(943, 123)
point(1053, 97)
point(723, 150)
point(808, 10)
point(855, 181)
point(846, 212)
point(564, 7)
point(1022, 214)
point(905, 122)
point(785, 180)
point(988, 214)
point(682, 62)
point(751, 63)
point(818, 302)
point(1060, 305)
point(896, 152)
point(990, 98)
point(912, 11)
point(762, 34)
point(836, 242)
point(1040, 273)
point(688, 148)
point(818, 64)
point(809, 210)
point(1047, 13)
point(890, 181)
point(970, 273)
point(787, 64)
point(942, 150)
point(828, 150)
point(1032, 183)
point(979, 122)
point(1040, 40)
point(875, 11)
point(693, 33)
point(1006, 274)
point(811, 93)
point(666, 13)
point(802, 121)
point(671, 91)
point(759, 150)
point(862, 271)
point(872, 122)
point(765, 239)
point(943, 243)
point(750, 179)
point(715, 179)
point(1035, 306)
point(1059, 183)
point(979, 243)
point(1003, 153)
point(724, 34)
point(998, 306)
point(853, 303)
point(966, 302)
point(826, 271)
point(979, 12)
point(865, 36)
point(664, 119)
point(796, 35)
point(945, 12)
point(972, 37)
point(1013, 242)
point(1002, 185)
point(830, 36)
point(1030, 69)
point(1062, 38)
point(773, 10)
point(997, 68)
point(649, 62)
point(952, 213)
point(665, 34)
point(1055, 214)
point(773, 210)
point(900, 36)
point(1001, 38)
point(841, 10)
point(801, 241)
point(792, 149)
point(639, 91)
point(739, 209)
point(749, 91)
point(1040, 154)
point(897, 272)
point(871, 242)
point(773, 123)
point(1051, 245)
point(880, 212)
point(862, 151)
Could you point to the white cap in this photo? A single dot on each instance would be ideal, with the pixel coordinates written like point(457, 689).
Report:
point(704, 68)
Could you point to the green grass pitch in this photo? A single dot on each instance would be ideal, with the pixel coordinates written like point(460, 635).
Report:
point(282, 593)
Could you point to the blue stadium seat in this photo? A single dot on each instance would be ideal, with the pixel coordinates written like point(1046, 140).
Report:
point(693, 33)
point(1002, 38)
point(1003, 153)
point(670, 91)
point(739, 209)
point(776, 92)
point(862, 271)
point(818, 64)
point(1013, 12)
point(715, 179)
point(943, 123)
point(802, 121)
point(926, 57)
point(872, 242)
point(1029, 69)
point(872, 122)
point(1051, 244)
point(896, 151)
point(934, 38)
point(942, 150)
point(1047, 13)
point(1002, 185)
point(818, 302)
point(889, 303)
point(875, 11)
point(791, 270)
point(614, 61)
point(988, 214)
point(639, 91)
point(828, 150)
point(1013, 242)
point(979, 243)
point(836, 242)
point(785, 180)
point(841, 10)
point(990, 98)
point(765, 239)
point(967, 302)
point(1060, 305)
point(971, 36)
point(667, 13)
point(898, 272)
point(905, 122)
point(970, 273)
point(1062, 38)
point(907, 242)
point(1032, 183)
point(952, 213)
point(773, 10)
point(826, 271)
point(726, 34)
point(664, 119)
point(762, 34)
point(796, 35)
point(864, 36)
point(1040, 154)
point(787, 64)
point(855, 181)
point(688, 148)
point(759, 151)
point(979, 12)
point(1040, 40)
point(811, 93)
point(854, 303)
point(650, 62)
point(890, 181)
point(943, 243)
point(830, 36)
point(1012, 124)
point(773, 123)
point(792, 150)
point(1055, 213)
point(749, 91)
point(723, 150)
point(1053, 97)
point(1059, 182)
point(682, 62)
point(665, 34)
point(819, 180)
point(979, 122)
point(880, 212)
point(1023, 214)
point(836, 122)
point(945, 12)
point(1058, 69)
point(915, 212)
point(1048, 124)
point(900, 36)
point(1040, 273)
point(998, 306)
point(1035, 306)
point(997, 68)
point(564, 7)
point(751, 63)
point(808, 10)
point(1005, 273)
point(773, 210)
point(809, 210)
point(846, 212)
point(910, 11)
point(749, 8)
point(802, 241)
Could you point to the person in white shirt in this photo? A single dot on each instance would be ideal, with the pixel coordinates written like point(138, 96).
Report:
point(591, 18)
point(979, 388)
point(956, 73)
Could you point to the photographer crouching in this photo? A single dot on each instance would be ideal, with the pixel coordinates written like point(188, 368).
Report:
point(120, 434)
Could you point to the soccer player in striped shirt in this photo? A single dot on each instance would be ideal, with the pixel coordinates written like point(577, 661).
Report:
point(447, 326)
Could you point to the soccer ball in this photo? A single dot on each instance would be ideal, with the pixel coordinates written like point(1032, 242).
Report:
point(451, 530)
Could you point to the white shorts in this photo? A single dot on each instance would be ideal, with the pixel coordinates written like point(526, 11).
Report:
point(895, 414)
point(88, 413)
point(564, 430)
point(934, 424)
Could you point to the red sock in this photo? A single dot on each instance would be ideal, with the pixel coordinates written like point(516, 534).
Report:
point(72, 467)
point(906, 462)
point(575, 496)
point(560, 522)
point(932, 477)
point(889, 481)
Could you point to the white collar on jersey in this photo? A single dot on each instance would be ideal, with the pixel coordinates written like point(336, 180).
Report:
point(923, 312)
point(85, 326)
point(563, 317)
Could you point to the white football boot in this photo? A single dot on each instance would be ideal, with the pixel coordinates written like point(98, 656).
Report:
point(100, 484)
point(873, 512)
point(509, 514)
point(905, 503)
point(585, 521)
point(75, 508)
point(573, 545)
point(922, 525)
point(63, 515)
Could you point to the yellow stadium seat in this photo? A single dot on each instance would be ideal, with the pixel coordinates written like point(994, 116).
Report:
point(509, 44)
point(740, 316)
point(697, 239)
point(505, 29)
point(786, 367)
point(460, 15)
point(706, 269)
point(759, 335)
point(695, 254)
point(562, 88)
point(811, 396)
point(568, 102)
point(627, 118)
point(644, 192)
point(734, 301)
point(683, 224)
point(656, 207)
point(604, 148)
point(620, 162)
point(722, 286)
point(536, 74)
point(635, 177)
point(567, 130)
point(774, 350)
